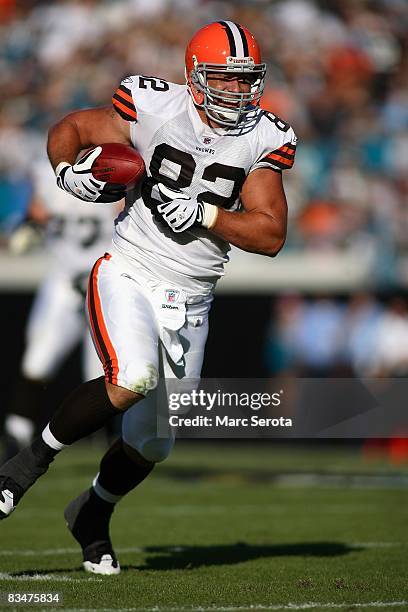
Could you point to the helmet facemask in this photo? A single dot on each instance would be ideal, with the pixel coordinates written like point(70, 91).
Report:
point(229, 109)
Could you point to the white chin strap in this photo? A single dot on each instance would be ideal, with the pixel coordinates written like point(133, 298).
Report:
point(229, 114)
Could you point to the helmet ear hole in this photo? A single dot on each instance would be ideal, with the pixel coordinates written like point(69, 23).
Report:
point(197, 95)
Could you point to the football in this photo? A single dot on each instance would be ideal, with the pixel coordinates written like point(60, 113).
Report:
point(119, 163)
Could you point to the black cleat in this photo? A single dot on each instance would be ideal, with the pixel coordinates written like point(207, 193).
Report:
point(20, 472)
point(88, 519)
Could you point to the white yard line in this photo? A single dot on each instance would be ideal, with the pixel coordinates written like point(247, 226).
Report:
point(305, 606)
point(40, 553)
point(46, 552)
point(53, 577)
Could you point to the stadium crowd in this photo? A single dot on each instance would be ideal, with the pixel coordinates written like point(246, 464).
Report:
point(337, 72)
point(323, 337)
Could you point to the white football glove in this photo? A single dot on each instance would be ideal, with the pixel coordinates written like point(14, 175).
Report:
point(79, 181)
point(180, 212)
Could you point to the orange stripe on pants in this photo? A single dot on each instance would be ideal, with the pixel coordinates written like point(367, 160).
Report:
point(100, 334)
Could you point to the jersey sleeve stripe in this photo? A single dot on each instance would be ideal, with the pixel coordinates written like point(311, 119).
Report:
point(124, 93)
point(288, 148)
point(275, 166)
point(281, 153)
point(283, 157)
point(129, 105)
point(123, 102)
point(280, 162)
point(123, 111)
point(280, 158)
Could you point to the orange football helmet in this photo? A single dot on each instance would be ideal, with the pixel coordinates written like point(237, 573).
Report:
point(225, 48)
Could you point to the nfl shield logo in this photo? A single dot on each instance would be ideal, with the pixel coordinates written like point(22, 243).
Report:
point(207, 140)
point(172, 295)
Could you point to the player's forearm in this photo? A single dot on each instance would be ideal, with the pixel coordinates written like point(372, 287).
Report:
point(254, 231)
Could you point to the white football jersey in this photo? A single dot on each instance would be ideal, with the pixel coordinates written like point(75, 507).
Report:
point(210, 165)
point(77, 232)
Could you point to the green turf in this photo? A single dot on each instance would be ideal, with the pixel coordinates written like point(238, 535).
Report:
point(220, 526)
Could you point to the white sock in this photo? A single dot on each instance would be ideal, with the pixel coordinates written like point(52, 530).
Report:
point(51, 440)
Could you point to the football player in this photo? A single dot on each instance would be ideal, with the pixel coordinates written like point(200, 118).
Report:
point(75, 235)
point(214, 164)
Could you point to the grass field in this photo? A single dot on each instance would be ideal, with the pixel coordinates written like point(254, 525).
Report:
point(224, 528)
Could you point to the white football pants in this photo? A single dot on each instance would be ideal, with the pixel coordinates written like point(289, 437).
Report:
point(142, 330)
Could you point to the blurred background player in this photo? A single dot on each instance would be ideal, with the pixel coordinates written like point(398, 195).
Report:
point(75, 235)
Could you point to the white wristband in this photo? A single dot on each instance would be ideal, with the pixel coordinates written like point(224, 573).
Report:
point(210, 215)
point(60, 166)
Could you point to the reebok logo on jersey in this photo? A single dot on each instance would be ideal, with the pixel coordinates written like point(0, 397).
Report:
point(205, 150)
point(170, 306)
